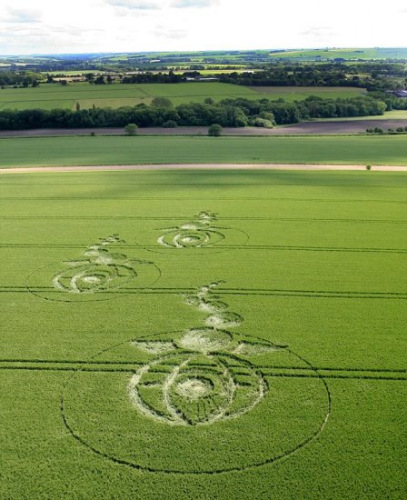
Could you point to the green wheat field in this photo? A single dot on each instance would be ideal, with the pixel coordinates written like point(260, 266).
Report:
point(117, 95)
point(122, 150)
point(203, 334)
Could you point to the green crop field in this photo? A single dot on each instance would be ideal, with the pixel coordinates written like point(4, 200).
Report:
point(119, 150)
point(291, 94)
point(203, 334)
point(50, 96)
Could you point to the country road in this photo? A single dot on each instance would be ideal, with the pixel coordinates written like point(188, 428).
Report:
point(219, 166)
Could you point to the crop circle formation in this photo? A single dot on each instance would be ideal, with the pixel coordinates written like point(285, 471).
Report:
point(97, 275)
point(201, 233)
point(187, 409)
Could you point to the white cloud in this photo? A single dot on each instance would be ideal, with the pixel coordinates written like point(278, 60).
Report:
point(179, 4)
point(135, 4)
point(183, 25)
point(317, 31)
point(170, 33)
point(318, 35)
point(162, 4)
point(17, 16)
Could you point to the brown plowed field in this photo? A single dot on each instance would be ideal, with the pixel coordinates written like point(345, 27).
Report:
point(305, 128)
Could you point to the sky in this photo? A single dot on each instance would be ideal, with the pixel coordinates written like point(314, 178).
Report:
point(85, 26)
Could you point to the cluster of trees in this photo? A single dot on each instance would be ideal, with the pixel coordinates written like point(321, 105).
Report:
point(20, 78)
point(372, 76)
point(391, 100)
point(99, 79)
point(262, 112)
point(227, 113)
point(149, 77)
point(316, 107)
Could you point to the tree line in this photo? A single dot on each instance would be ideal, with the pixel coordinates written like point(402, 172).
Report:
point(228, 113)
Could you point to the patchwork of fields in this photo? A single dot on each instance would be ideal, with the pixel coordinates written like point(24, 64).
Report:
point(118, 95)
point(203, 334)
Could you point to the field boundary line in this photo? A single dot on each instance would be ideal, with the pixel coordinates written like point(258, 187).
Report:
point(234, 198)
point(344, 294)
point(280, 248)
point(91, 361)
point(206, 198)
point(268, 371)
point(164, 218)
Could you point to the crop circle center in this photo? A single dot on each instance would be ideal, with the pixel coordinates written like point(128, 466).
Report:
point(194, 388)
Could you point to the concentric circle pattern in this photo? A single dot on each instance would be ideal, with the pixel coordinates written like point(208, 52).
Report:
point(173, 409)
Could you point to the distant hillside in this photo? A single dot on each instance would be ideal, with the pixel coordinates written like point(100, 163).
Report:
point(231, 60)
point(338, 53)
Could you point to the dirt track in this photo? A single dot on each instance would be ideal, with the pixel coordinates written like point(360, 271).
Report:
point(228, 166)
point(305, 128)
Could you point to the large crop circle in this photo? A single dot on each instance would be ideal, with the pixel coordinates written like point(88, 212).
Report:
point(99, 411)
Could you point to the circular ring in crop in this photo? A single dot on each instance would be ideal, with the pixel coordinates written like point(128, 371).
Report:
point(88, 281)
point(160, 403)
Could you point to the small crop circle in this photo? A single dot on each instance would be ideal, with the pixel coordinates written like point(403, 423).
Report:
point(91, 281)
point(189, 237)
point(94, 278)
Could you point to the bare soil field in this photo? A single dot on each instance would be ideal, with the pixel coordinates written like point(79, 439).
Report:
point(339, 127)
point(305, 128)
